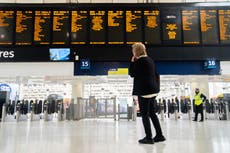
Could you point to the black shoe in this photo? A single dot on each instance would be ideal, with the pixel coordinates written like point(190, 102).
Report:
point(146, 141)
point(194, 120)
point(159, 138)
point(201, 120)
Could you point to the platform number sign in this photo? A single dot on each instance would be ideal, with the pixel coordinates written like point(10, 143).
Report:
point(209, 64)
point(85, 64)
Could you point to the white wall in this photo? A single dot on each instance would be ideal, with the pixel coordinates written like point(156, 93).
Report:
point(41, 69)
point(225, 67)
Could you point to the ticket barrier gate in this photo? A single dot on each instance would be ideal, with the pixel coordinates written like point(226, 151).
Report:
point(162, 111)
point(18, 111)
point(189, 108)
point(32, 108)
point(106, 108)
point(3, 112)
point(175, 111)
point(76, 109)
point(225, 111)
point(45, 111)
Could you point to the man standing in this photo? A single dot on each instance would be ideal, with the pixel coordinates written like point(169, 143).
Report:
point(199, 98)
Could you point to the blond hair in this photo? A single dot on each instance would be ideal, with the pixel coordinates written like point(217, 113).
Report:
point(139, 49)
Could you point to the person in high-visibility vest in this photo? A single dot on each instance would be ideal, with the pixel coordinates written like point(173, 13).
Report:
point(199, 98)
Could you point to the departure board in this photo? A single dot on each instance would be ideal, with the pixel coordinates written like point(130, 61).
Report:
point(6, 27)
point(116, 27)
point(24, 27)
point(224, 26)
point(97, 27)
point(61, 27)
point(208, 24)
point(171, 26)
point(190, 23)
point(152, 27)
point(133, 26)
point(79, 27)
point(42, 27)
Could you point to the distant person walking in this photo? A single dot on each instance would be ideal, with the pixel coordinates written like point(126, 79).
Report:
point(199, 99)
point(142, 69)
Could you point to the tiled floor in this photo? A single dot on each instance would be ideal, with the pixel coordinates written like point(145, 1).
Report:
point(108, 136)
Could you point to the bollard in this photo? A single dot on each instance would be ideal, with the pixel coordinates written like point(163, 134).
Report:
point(3, 112)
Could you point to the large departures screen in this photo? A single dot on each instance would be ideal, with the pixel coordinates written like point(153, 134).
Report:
point(209, 27)
point(42, 27)
point(24, 27)
point(171, 26)
point(152, 27)
point(224, 26)
point(115, 24)
point(134, 26)
point(97, 27)
point(6, 27)
point(190, 23)
point(61, 24)
point(79, 25)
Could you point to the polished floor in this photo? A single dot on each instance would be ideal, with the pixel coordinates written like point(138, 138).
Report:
point(108, 136)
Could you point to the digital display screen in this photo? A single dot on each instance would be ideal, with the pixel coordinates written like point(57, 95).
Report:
point(6, 27)
point(133, 26)
point(210, 64)
point(42, 27)
point(190, 23)
point(116, 27)
point(79, 22)
point(61, 27)
point(152, 27)
point(59, 54)
point(171, 26)
point(224, 26)
point(208, 24)
point(24, 27)
point(97, 27)
point(157, 24)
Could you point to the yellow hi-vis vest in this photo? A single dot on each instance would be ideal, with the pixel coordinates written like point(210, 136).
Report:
point(198, 99)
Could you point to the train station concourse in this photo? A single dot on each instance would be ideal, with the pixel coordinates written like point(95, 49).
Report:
point(114, 76)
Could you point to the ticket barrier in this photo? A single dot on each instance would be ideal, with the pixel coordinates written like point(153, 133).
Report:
point(4, 107)
point(32, 108)
point(18, 107)
point(106, 108)
point(175, 111)
point(59, 111)
point(45, 111)
point(225, 111)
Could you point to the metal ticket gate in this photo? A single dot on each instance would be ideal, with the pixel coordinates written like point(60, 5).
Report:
point(106, 108)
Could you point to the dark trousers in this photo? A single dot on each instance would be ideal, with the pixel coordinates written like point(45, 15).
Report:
point(199, 109)
point(147, 110)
